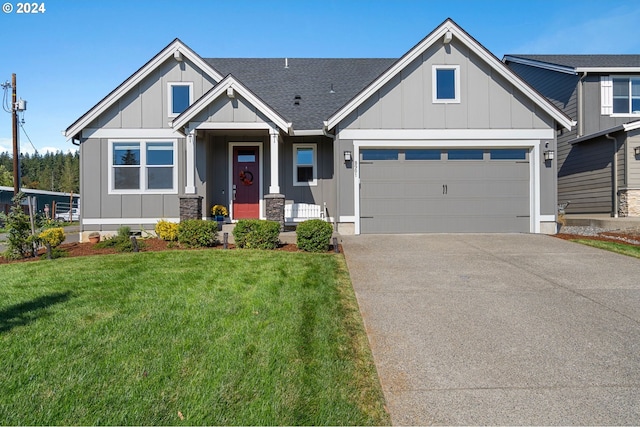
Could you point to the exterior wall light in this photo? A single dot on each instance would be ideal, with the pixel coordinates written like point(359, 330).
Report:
point(549, 155)
point(347, 156)
point(636, 150)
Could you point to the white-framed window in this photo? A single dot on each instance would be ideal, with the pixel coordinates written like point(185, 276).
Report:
point(446, 84)
point(180, 96)
point(143, 167)
point(304, 164)
point(620, 95)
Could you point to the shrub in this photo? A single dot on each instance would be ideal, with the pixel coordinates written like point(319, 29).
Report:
point(52, 236)
point(257, 234)
point(18, 228)
point(198, 233)
point(167, 230)
point(314, 235)
point(121, 241)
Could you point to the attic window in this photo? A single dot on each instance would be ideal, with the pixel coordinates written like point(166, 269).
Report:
point(180, 97)
point(446, 84)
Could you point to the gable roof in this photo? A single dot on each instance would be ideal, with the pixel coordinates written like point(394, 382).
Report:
point(574, 64)
point(323, 84)
point(221, 88)
point(175, 46)
point(449, 27)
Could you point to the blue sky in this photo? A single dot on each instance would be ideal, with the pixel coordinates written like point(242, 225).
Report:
point(76, 52)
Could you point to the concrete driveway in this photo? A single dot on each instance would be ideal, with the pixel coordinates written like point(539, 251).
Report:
point(500, 329)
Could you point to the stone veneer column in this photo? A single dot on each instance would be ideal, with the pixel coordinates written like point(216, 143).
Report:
point(629, 203)
point(190, 207)
point(274, 206)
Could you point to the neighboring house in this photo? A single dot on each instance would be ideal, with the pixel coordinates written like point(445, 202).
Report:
point(599, 160)
point(444, 139)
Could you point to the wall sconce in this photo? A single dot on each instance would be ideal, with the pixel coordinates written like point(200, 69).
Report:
point(347, 156)
point(636, 150)
point(549, 155)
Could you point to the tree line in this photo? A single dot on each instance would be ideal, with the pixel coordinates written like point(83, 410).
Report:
point(51, 171)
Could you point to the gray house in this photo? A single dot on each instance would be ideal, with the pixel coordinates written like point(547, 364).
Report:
point(599, 160)
point(444, 139)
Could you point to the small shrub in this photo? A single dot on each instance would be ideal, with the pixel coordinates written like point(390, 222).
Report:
point(120, 242)
point(167, 230)
point(18, 229)
point(257, 234)
point(198, 233)
point(314, 235)
point(52, 236)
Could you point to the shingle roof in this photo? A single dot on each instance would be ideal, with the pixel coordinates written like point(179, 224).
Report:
point(586, 61)
point(323, 84)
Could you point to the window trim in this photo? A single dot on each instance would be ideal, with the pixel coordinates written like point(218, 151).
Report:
point(143, 166)
point(170, 86)
point(456, 82)
point(314, 181)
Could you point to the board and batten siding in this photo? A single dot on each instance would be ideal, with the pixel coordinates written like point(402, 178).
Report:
point(146, 105)
point(487, 100)
point(96, 202)
point(633, 162)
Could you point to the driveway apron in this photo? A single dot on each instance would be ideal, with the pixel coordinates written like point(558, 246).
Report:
point(518, 329)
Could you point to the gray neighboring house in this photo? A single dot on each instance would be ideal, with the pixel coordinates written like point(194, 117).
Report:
point(444, 139)
point(599, 160)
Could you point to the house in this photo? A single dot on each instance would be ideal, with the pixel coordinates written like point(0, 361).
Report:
point(45, 202)
point(598, 160)
point(444, 139)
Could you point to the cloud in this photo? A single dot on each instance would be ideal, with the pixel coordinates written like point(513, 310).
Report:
point(612, 32)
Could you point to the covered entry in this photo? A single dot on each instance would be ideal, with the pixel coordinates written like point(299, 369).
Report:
point(434, 190)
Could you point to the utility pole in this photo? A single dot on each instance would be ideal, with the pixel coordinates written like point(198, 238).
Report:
point(14, 127)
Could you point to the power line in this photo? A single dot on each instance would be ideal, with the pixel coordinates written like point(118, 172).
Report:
point(25, 134)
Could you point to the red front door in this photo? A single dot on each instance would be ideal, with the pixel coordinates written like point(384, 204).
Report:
point(246, 182)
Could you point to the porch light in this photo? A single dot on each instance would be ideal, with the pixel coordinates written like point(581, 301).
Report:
point(347, 156)
point(636, 150)
point(549, 155)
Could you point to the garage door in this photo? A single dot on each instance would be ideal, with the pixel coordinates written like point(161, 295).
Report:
point(443, 191)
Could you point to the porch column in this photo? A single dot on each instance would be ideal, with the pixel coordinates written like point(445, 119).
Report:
point(190, 188)
point(274, 188)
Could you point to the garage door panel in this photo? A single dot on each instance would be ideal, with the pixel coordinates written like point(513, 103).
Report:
point(398, 196)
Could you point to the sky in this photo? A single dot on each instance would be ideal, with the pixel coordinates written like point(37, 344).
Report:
point(72, 53)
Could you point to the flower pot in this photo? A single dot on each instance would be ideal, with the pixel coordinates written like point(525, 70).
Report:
point(94, 238)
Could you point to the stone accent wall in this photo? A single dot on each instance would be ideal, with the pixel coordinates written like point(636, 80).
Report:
point(629, 203)
point(190, 207)
point(274, 206)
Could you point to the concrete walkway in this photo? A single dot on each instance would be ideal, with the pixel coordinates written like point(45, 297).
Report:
point(500, 329)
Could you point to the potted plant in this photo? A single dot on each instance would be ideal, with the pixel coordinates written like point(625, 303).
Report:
point(219, 212)
point(94, 237)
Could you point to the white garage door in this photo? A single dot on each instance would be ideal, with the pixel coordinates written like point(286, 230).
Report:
point(444, 190)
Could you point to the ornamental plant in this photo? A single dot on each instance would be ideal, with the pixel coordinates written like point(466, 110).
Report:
point(52, 236)
point(314, 235)
point(18, 226)
point(219, 210)
point(167, 230)
point(198, 233)
point(257, 234)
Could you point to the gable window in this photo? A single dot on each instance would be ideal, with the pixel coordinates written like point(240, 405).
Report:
point(304, 164)
point(180, 97)
point(142, 167)
point(446, 83)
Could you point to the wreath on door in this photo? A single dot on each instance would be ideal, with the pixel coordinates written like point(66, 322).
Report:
point(246, 177)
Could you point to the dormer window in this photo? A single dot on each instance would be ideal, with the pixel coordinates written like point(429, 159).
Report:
point(180, 97)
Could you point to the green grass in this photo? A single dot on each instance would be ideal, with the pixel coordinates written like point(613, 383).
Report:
point(185, 338)
point(620, 248)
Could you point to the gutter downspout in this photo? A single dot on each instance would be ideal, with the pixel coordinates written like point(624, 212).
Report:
point(614, 178)
point(580, 105)
point(336, 160)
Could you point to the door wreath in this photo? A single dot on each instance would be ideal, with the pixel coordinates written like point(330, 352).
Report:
point(246, 177)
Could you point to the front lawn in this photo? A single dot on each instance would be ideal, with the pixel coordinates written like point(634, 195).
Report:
point(620, 248)
point(185, 337)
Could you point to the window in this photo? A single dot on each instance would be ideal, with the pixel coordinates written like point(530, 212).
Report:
point(142, 167)
point(465, 154)
point(620, 95)
point(446, 83)
point(180, 97)
point(508, 154)
point(304, 164)
point(379, 154)
point(420, 154)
